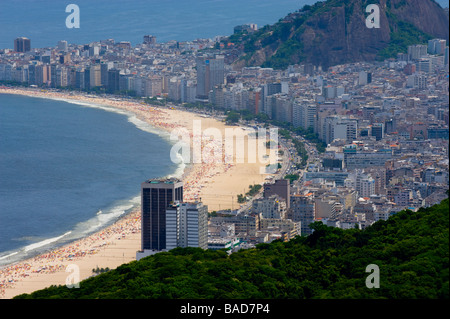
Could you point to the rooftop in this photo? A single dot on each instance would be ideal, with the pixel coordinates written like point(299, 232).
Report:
point(170, 180)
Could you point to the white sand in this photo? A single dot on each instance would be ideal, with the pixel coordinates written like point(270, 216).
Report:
point(217, 184)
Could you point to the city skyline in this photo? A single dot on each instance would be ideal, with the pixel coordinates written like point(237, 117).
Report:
point(357, 143)
point(51, 20)
point(160, 18)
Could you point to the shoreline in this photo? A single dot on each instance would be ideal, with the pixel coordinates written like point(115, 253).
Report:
point(118, 243)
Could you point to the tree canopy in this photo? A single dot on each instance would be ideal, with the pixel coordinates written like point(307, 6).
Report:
point(411, 250)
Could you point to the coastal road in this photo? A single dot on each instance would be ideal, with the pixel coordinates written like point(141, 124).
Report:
point(285, 165)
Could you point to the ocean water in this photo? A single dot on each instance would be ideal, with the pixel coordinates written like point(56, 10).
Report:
point(61, 163)
point(43, 21)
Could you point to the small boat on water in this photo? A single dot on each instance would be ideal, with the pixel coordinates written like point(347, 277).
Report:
point(99, 212)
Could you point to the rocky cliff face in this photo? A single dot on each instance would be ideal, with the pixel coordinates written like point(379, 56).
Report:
point(339, 35)
point(427, 16)
point(335, 32)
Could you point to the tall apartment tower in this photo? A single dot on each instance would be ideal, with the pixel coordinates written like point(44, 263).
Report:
point(364, 78)
point(378, 130)
point(281, 187)
point(193, 225)
point(210, 72)
point(172, 225)
point(95, 75)
point(22, 44)
point(308, 113)
point(415, 52)
point(113, 80)
point(156, 196)
point(187, 225)
point(436, 46)
point(62, 45)
point(149, 39)
point(303, 209)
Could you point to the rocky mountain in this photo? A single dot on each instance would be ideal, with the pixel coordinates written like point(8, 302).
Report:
point(334, 32)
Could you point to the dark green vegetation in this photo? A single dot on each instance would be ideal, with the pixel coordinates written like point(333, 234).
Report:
point(292, 177)
point(100, 270)
point(287, 128)
point(300, 146)
point(403, 35)
point(333, 32)
point(410, 248)
point(253, 190)
point(232, 117)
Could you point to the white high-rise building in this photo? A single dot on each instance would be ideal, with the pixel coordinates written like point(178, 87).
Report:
point(336, 127)
point(187, 225)
point(424, 65)
point(345, 130)
point(172, 225)
point(417, 81)
point(364, 78)
point(94, 50)
point(416, 52)
point(308, 115)
point(174, 89)
point(193, 225)
point(62, 45)
point(366, 187)
point(436, 46)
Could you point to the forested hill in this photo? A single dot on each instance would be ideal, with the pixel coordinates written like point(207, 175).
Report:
point(334, 32)
point(411, 250)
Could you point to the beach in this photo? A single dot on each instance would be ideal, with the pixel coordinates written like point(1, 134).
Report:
point(213, 181)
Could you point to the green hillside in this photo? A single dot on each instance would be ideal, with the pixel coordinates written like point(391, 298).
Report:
point(411, 250)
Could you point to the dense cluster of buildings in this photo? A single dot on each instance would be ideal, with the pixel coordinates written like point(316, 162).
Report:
point(148, 70)
point(386, 126)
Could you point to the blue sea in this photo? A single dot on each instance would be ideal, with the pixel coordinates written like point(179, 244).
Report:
point(61, 163)
point(44, 21)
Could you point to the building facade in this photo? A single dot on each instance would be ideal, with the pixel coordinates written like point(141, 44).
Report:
point(210, 72)
point(156, 196)
point(302, 209)
point(22, 44)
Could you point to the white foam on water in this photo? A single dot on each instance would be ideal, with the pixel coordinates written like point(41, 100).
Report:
point(132, 118)
point(44, 242)
point(109, 215)
point(80, 230)
point(146, 127)
point(9, 255)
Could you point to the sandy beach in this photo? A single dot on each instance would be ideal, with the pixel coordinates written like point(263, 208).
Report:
point(216, 183)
